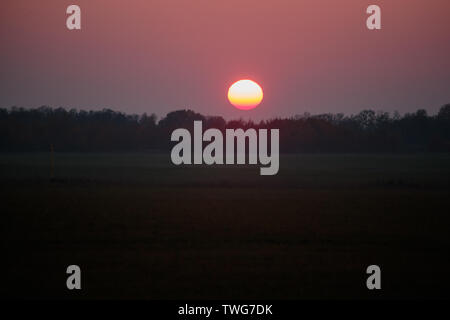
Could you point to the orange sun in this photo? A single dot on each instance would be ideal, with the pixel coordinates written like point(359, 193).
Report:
point(245, 94)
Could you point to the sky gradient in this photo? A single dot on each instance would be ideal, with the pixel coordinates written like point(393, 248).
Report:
point(149, 56)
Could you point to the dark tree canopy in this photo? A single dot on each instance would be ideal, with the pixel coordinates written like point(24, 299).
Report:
point(106, 130)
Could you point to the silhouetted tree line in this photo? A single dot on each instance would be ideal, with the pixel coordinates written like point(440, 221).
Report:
point(100, 131)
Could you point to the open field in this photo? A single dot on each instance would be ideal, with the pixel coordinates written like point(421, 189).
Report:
point(140, 227)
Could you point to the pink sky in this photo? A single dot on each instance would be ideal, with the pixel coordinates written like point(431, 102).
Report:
point(158, 56)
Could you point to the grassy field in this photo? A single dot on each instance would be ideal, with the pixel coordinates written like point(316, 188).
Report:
point(140, 227)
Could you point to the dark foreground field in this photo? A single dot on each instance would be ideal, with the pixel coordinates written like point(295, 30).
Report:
point(140, 227)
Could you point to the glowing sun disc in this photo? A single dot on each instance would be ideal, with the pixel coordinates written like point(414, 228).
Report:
point(245, 94)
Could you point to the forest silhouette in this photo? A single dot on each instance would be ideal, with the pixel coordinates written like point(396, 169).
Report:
point(39, 129)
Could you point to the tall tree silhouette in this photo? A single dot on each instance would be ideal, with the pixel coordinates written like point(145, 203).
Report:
point(107, 130)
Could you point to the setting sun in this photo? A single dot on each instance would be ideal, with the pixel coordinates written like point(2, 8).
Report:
point(245, 94)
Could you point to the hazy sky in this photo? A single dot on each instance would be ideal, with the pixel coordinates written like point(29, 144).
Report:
point(158, 56)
